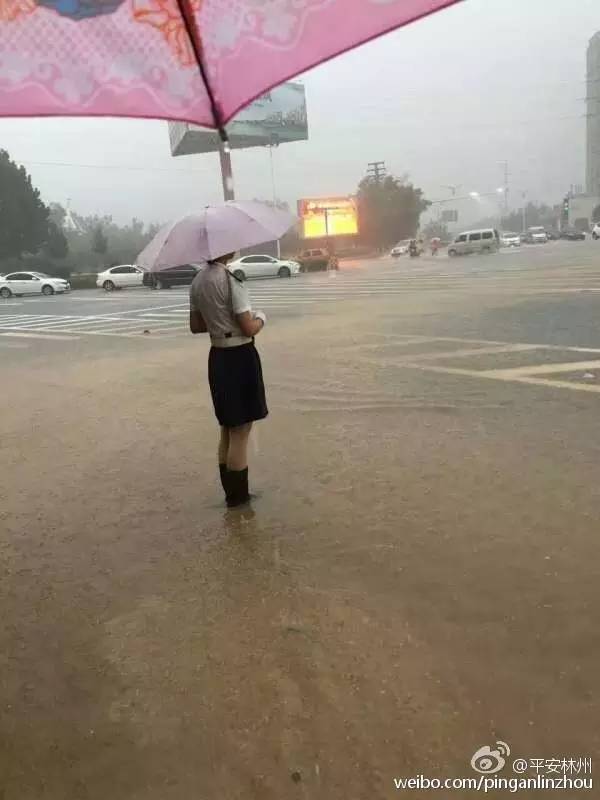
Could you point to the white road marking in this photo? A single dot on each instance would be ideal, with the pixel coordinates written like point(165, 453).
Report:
point(38, 336)
point(50, 323)
point(541, 369)
point(27, 321)
point(481, 351)
point(174, 316)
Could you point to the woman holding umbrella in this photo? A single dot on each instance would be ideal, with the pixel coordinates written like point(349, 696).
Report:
point(220, 306)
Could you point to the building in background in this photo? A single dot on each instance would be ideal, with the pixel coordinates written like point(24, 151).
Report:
point(579, 211)
point(593, 117)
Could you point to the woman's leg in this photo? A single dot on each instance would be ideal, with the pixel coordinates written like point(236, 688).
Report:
point(222, 455)
point(223, 445)
point(237, 454)
point(237, 466)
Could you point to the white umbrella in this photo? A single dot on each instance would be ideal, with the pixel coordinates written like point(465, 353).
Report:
point(215, 231)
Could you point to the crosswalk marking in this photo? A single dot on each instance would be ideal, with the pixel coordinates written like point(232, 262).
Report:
point(166, 314)
point(27, 335)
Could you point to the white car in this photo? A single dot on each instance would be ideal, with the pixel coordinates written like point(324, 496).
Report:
point(596, 231)
point(401, 249)
point(120, 277)
point(20, 283)
point(256, 266)
point(536, 235)
point(510, 239)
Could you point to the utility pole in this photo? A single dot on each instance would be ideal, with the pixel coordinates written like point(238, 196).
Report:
point(506, 176)
point(376, 171)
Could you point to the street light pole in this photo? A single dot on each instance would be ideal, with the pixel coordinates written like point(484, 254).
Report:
point(226, 170)
point(506, 175)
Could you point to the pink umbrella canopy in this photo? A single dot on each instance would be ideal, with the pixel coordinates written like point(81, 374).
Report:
point(214, 232)
point(199, 61)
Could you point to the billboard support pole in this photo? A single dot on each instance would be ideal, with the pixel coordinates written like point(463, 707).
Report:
point(226, 170)
point(270, 147)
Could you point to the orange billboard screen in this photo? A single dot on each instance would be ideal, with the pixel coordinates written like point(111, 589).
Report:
point(328, 216)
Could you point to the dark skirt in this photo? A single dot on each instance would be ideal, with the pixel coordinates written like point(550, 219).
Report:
point(236, 385)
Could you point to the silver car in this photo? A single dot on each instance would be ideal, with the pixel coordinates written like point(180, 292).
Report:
point(484, 240)
point(510, 239)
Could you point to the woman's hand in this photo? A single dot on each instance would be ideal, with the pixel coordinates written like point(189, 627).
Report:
point(250, 323)
point(262, 316)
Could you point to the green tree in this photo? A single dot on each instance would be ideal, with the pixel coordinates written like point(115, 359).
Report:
point(57, 214)
point(389, 210)
point(23, 216)
point(534, 215)
point(99, 240)
point(56, 245)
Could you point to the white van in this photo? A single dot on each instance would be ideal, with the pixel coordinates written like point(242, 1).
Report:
point(484, 240)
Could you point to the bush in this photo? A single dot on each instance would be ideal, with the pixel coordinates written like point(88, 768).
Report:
point(83, 280)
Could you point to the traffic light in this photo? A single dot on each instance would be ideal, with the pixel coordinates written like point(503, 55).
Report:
point(565, 209)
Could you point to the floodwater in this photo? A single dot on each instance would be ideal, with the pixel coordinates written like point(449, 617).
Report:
point(418, 578)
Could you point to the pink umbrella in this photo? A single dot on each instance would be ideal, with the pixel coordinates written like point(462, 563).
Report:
point(217, 230)
point(199, 61)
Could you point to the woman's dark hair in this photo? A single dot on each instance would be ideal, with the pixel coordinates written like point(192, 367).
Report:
point(225, 257)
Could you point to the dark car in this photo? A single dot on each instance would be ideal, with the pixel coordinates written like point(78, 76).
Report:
point(553, 234)
point(316, 259)
point(572, 234)
point(167, 278)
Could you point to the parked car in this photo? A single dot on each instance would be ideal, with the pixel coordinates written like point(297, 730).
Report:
point(536, 235)
point(20, 283)
point(596, 231)
point(572, 234)
point(258, 266)
point(120, 277)
point(486, 240)
point(317, 258)
point(401, 249)
point(175, 276)
point(510, 239)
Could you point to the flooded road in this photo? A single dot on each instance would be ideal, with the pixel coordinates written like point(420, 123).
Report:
point(419, 577)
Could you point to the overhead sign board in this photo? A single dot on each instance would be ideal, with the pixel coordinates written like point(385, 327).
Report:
point(449, 215)
point(277, 117)
point(328, 216)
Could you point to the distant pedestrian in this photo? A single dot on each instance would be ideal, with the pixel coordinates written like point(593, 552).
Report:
point(220, 306)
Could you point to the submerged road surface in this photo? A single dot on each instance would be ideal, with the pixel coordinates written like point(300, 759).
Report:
point(419, 578)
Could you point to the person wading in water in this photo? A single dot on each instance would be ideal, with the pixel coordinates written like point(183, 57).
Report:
point(220, 306)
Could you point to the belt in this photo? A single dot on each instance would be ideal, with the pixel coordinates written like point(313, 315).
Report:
point(229, 340)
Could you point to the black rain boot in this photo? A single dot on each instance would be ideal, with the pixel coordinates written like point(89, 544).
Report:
point(224, 473)
point(237, 494)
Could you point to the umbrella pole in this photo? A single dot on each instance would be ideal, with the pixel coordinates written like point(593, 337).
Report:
point(226, 170)
point(191, 28)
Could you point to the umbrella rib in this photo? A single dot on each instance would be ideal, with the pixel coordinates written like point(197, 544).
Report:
point(193, 34)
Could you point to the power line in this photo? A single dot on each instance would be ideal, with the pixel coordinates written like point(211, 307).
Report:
point(120, 167)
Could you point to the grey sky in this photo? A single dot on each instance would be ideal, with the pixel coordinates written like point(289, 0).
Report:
point(482, 82)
